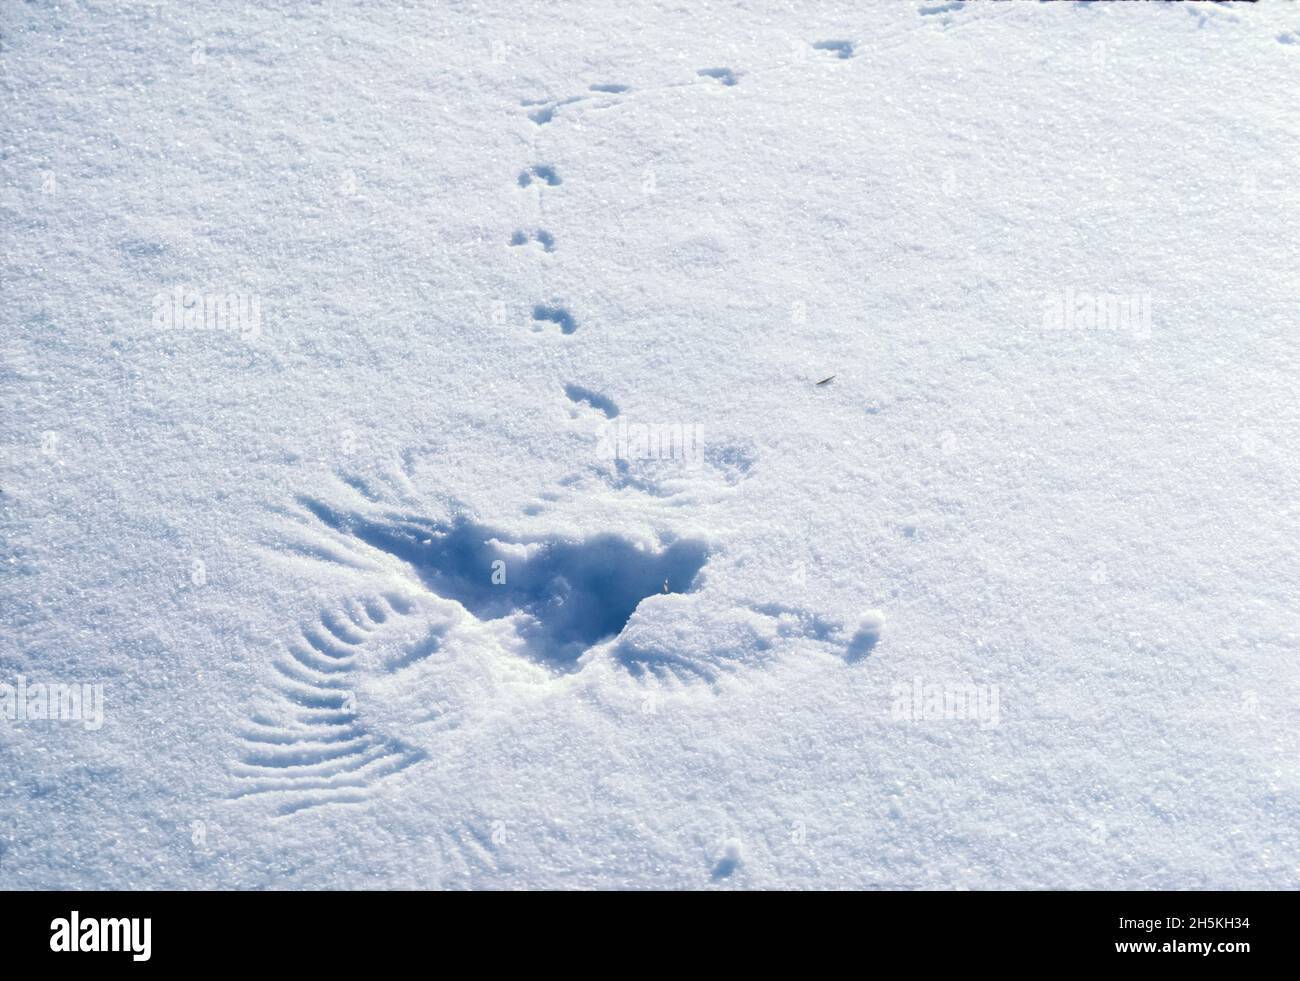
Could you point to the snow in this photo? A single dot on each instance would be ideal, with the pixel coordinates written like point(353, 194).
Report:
point(273, 542)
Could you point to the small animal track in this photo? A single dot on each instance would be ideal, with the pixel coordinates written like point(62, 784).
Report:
point(1216, 16)
point(934, 9)
point(542, 237)
point(726, 76)
point(601, 403)
point(610, 88)
point(543, 314)
point(543, 112)
point(546, 175)
point(840, 49)
point(542, 172)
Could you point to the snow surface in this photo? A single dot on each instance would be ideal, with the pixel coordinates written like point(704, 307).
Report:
point(274, 548)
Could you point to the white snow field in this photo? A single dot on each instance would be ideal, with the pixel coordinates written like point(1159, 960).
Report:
point(411, 420)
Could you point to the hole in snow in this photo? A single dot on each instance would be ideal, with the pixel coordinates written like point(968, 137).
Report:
point(572, 594)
